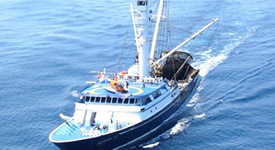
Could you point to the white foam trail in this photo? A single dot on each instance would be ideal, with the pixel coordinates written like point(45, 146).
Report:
point(199, 88)
point(194, 99)
point(210, 61)
point(180, 126)
point(210, 64)
point(200, 116)
point(151, 145)
point(196, 96)
point(75, 93)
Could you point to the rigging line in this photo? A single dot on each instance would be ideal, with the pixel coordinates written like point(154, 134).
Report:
point(186, 19)
point(187, 40)
point(181, 67)
point(174, 68)
point(121, 52)
point(162, 40)
point(181, 29)
point(169, 38)
point(192, 46)
point(186, 71)
point(157, 6)
point(168, 26)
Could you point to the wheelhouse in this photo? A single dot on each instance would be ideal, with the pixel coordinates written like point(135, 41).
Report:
point(136, 100)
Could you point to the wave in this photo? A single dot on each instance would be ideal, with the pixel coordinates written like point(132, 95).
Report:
point(194, 100)
point(180, 126)
point(151, 145)
point(200, 116)
point(252, 73)
point(74, 93)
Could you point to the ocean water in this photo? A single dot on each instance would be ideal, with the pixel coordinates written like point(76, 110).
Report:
point(48, 48)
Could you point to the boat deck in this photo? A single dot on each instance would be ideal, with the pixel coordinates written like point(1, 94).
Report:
point(67, 131)
point(71, 131)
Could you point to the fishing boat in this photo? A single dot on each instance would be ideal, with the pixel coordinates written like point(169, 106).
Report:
point(129, 107)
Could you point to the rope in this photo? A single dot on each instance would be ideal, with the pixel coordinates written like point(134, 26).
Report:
point(121, 52)
point(181, 67)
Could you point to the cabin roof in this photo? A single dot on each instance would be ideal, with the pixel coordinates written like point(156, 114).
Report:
point(136, 90)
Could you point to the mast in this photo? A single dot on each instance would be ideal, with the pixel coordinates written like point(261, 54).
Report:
point(154, 42)
point(141, 22)
point(134, 25)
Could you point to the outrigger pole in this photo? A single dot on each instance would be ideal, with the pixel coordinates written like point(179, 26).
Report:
point(154, 42)
point(186, 41)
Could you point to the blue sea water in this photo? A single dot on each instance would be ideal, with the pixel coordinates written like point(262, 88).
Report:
point(47, 49)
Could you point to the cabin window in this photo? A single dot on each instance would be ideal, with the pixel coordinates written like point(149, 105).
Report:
point(103, 99)
point(120, 100)
point(138, 102)
point(97, 99)
point(141, 3)
point(114, 100)
point(81, 100)
point(108, 99)
point(148, 100)
point(156, 94)
point(92, 99)
point(126, 101)
point(132, 101)
point(87, 99)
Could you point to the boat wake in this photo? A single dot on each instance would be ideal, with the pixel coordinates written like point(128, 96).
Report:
point(184, 123)
point(208, 60)
point(180, 126)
